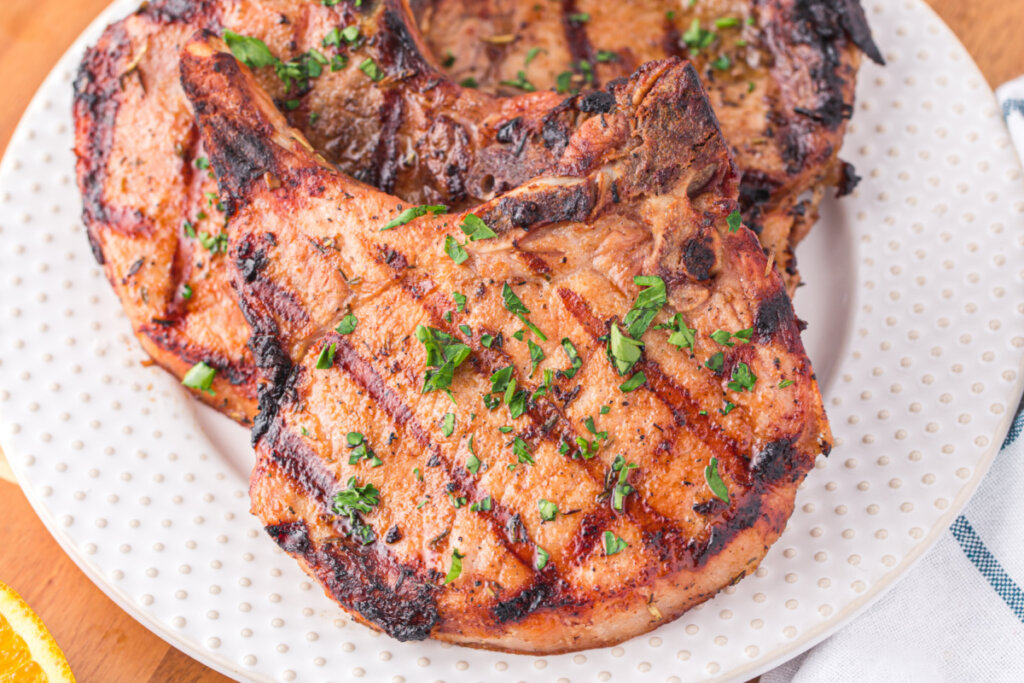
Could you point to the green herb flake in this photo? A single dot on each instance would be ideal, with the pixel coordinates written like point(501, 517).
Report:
point(202, 163)
point(454, 250)
point(729, 407)
point(574, 358)
point(326, 358)
point(744, 336)
point(522, 451)
point(475, 229)
point(505, 429)
point(714, 481)
point(580, 17)
point(466, 330)
point(482, 506)
point(722, 63)
point(563, 82)
point(742, 378)
point(456, 567)
point(355, 500)
point(347, 324)
point(370, 68)
point(419, 475)
point(648, 302)
point(542, 558)
point(536, 356)
point(548, 510)
point(531, 55)
point(613, 544)
point(520, 82)
point(633, 383)
point(350, 34)
point(715, 362)
point(785, 383)
point(726, 22)
point(486, 341)
point(473, 464)
point(734, 220)
point(448, 424)
point(605, 409)
point(697, 38)
point(682, 336)
point(721, 337)
point(252, 52)
point(469, 82)
point(514, 305)
point(622, 487)
point(606, 56)
point(200, 376)
point(186, 291)
point(623, 350)
point(460, 301)
point(444, 354)
point(412, 213)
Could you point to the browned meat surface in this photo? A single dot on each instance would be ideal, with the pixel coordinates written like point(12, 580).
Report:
point(428, 449)
point(780, 75)
point(365, 96)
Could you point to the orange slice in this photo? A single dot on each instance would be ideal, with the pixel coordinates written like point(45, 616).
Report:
point(28, 653)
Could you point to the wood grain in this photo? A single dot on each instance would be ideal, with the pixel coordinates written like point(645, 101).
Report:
point(102, 642)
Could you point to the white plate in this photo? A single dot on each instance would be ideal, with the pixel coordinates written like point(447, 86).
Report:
point(914, 295)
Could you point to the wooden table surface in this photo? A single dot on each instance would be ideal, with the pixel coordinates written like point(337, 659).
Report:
point(102, 642)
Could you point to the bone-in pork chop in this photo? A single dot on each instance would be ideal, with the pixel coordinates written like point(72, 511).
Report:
point(551, 422)
point(780, 75)
point(353, 79)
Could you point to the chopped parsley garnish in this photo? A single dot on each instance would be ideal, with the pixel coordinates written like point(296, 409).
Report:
point(469, 82)
point(727, 22)
point(563, 82)
point(520, 82)
point(475, 229)
point(370, 68)
point(515, 306)
point(456, 501)
point(522, 451)
point(347, 324)
point(605, 409)
point(456, 568)
point(545, 387)
point(186, 291)
point(589, 424)
point(742, 378)
point(505, 429)
point(606, 56)
point(744, 335)
point(326, 358)
point(413, 212)
point(648, 302)
point(486, 341)
point(517, 403)
point(633, 383)
point(454, 250)
point(484, 505)
point(460, 302)
point(531, 55)
point(785, 383)
point(200, 376)
point(360, 450)
point(580, 17)
point(613, 544)
point(574, 358)
point(215, 243)
point(353, 500)
point(548, 510)
point(622, 487)
point(449, 59)
point(252, 52)
point(729, 407)
point(473, 463)
point(350, 34)
point(189, 230)
point(721, 337)
point(697, 38)
point(623, 350)
point(734, 219)
point(715, 362)
point(444, 354)
point(682, 336)
point(202, 163)
point(542, 558)
point(722, 63)
point(419, 475)
point(714, 481)
point(466, 330)
point(448, 424)
point(536, 356)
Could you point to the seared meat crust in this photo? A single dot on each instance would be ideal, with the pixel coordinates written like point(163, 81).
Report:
point(780, 75)
point(387, 117)
point(646, 187)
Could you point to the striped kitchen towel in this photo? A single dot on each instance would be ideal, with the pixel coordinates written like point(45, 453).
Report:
point(959, 614)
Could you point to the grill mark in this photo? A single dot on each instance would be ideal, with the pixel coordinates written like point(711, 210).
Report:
point(365, 376)
point(384, 172)
point(576, 36)
point(171, 339)
point(661, 386)
point(355, 574)
point(540, 413)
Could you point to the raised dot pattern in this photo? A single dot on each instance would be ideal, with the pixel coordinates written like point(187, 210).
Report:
point(916, 352)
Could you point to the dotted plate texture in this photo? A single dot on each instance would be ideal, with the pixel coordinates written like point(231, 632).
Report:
point(914, 291)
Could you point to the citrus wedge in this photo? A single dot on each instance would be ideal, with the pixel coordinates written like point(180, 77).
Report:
point(28, 653)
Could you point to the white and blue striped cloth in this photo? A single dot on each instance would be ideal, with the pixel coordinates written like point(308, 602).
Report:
point(959, 614)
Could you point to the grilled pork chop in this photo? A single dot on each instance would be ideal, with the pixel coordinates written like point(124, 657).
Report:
point(549, 423)
point(780, 75)
point(354, 80)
